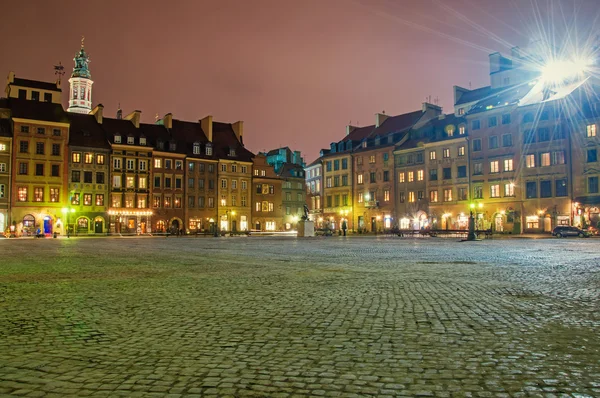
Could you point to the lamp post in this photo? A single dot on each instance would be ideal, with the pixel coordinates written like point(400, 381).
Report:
point(471, 235)
point(66, 212)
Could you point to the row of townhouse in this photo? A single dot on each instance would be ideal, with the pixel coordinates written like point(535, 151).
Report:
point(79, 171)
point(521, 155)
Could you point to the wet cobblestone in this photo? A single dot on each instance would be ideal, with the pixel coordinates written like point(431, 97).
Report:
point(286, 317)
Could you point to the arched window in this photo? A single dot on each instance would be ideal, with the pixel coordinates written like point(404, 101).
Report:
point(82, 223)
point(528, 118)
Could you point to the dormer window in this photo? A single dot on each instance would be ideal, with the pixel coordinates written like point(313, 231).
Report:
point(196, 148)
point(364, 144)
point(377, 141)
point(172, 146)
point(208, 150)
point(160, 145)
point(450, 131)
point(142, 140)
point(130, 140)
point(231, 152)
point(117, 139)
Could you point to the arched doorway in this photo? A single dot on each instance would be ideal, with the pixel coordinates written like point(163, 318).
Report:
point(83, 225)
point(98, 225)
point(28, 225)
point(175, 225)
point(499, 222)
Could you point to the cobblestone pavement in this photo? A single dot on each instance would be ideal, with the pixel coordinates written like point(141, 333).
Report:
point(278, 317)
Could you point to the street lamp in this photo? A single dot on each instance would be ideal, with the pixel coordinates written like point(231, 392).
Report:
point(66, 212)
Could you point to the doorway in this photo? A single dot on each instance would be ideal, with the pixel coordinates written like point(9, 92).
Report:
point(234, 225)
point(47, 225)
point(98, 226)
point(373, 224)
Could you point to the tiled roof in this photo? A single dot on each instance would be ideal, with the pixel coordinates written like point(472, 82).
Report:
point(224, 139)
point(121, 127)
point(475, 95)
point(288, 169)
point(358, 133)
point(501, 97)
point(85, 131)
point(35, 84)
point(432, 131)
point(397, 124)
point(37, 110)
point(186, 134)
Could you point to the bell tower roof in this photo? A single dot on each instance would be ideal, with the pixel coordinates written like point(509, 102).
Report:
point(81, 63)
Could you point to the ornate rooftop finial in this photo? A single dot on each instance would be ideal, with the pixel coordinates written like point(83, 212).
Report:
point(81, 63)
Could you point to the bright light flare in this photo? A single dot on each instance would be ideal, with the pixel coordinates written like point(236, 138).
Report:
point(557, 71)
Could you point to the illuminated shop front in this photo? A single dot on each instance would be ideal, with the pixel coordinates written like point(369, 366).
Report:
point(129, 221)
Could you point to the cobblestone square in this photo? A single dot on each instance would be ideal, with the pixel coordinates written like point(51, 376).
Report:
point(279, 317)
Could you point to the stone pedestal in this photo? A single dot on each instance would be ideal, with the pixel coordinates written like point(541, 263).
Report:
point(306, 228)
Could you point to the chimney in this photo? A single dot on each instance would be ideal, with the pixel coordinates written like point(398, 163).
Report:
point(167, 120)
point(432, 109)
point(11, 77)
point(238, 129)
point(207, 127)
point(135, 118)
point(380, 118)
point(495, 60)
point(119, 113)
point(349, 129)
point(97, 112)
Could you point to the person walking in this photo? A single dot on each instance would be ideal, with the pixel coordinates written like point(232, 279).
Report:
point(344, 227)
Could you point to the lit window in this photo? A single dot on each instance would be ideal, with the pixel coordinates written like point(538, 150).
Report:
point(142, 140)
point(2, 147)
point(208, 152)
point(432, 155)
point(420, 175)
point(54, 195)
point(386, 195)
point(76, 157)
point(545, 159)
point(359, 179)
point(495, 191)
point(130, 140)
point(530, 161)
point(508, 165)
point(461, 130)
point(38, 194)
point(411, 176)
point(446, 153)
point(99, 159)
point(461, 151)
point(88, 158)
point(411, 197)
point(433, 196)
point(99, 199)
point(117, 139)
point(494, 166)
point(448, 195)
point(157, 163)
point(509, 189)
point(142, 183)
point(22, 194)
point(591, 130)
point(372, 159)
point(400, 177)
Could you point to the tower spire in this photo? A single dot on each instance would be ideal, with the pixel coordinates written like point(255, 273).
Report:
point(80, 96)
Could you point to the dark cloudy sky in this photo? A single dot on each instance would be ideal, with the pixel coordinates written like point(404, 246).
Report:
point(296, 72)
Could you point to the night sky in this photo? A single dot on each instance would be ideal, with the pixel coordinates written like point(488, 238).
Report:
point(296, 72)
